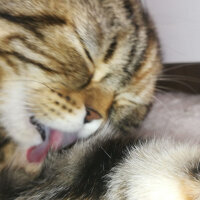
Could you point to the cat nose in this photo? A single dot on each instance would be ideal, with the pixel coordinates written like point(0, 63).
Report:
point(91, 115)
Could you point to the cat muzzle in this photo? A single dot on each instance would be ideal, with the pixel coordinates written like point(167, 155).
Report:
point(52, 140)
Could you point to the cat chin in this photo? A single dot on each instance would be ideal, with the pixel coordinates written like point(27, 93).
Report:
point(90, 128)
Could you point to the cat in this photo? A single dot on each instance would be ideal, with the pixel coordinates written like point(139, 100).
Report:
point(110, 166)
point(67, 67)
point(7, 149)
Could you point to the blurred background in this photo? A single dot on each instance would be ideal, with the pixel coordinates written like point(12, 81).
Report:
point(178, 27)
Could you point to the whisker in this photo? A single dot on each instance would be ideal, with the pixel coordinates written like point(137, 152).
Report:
point(180, 77)
point(184, 84)
point(178, 66)
point(161, 89)
point(163, 104)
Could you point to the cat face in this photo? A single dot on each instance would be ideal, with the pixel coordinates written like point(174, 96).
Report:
point(75, 112)
point(68, 67)
point(71, 104)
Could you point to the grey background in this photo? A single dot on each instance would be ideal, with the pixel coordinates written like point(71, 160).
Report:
point(178, 26)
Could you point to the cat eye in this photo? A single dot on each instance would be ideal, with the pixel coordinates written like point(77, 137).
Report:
point(91, 115)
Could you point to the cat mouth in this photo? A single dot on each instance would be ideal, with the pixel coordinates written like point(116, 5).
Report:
point(52, 140)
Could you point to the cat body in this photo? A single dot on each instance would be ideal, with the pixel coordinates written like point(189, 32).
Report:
point(69, 66)
point(109, 166)
point(66, 68)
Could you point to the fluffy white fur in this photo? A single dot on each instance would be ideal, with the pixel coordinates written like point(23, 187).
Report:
point(14, 116)
point(162, 168)
point(158, 170)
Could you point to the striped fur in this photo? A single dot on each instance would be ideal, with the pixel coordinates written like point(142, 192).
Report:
point(7, 149)
point(59, 58)
point(110, 168)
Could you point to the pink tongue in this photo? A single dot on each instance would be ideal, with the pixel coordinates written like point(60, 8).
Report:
point(38, 153)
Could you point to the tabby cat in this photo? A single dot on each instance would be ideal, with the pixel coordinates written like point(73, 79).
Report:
point(109, 166)
point(67, 67)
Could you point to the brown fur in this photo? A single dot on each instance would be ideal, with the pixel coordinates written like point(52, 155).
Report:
point(109, 167)
point(7, 149)
point(64, 55)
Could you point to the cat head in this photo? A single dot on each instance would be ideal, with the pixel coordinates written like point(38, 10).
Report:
point(68, 68)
